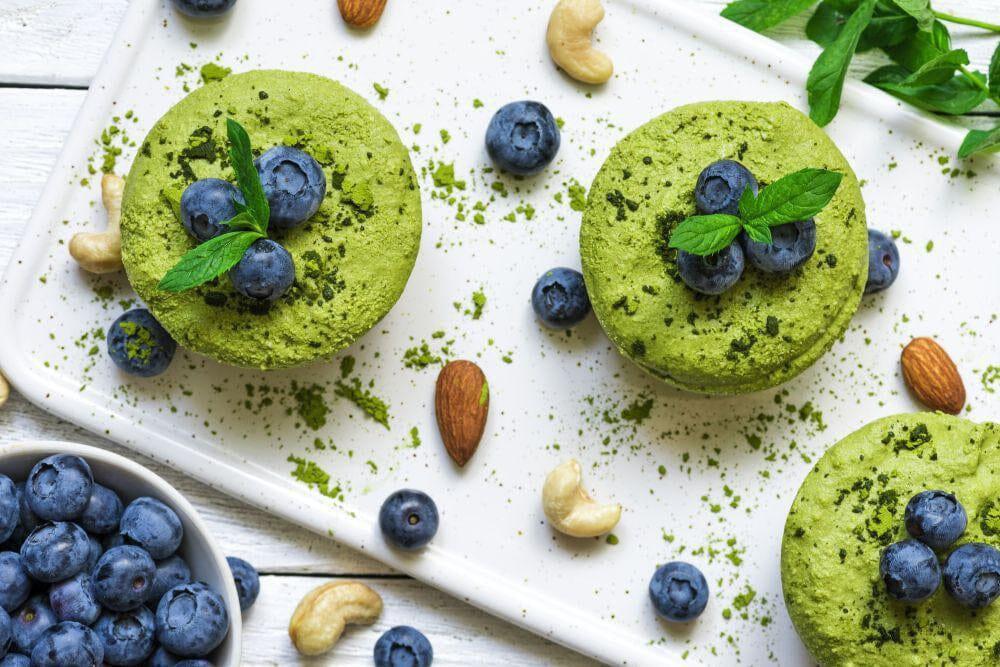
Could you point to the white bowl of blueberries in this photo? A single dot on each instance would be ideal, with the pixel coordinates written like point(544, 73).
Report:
point(104, 563)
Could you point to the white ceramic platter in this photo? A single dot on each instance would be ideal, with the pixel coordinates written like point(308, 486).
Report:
point(705, 480)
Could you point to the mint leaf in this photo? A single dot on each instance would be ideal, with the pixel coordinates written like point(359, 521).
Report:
point(918, 9)
point(208, 261)
point(758, 231)
point(995, 74)
point(760, 15)
point(241, 157)
point(791, 198)
point(921, 47)
point(980, 141)
point(705, 234)
point(954, 97)
point(825, 24)
point(825, 84)
point(938, 69)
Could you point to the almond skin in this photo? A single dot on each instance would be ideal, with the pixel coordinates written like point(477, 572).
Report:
point(931, 375)
point(361, 13)
point(461, 403)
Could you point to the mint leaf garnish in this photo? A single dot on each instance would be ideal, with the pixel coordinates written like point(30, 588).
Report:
point(826, 78)
point(214, 257)
point(241, 157)
point(760, 15)
point(705, 234)
point(792, 198)
point(208, 261)
point(980, 141)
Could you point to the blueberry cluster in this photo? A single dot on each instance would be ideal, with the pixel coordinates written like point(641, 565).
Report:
point(87, 580)
point(294, 184)
point(911, 571)
point(718, 190)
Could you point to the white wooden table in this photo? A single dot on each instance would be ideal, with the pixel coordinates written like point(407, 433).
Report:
point(52, 49)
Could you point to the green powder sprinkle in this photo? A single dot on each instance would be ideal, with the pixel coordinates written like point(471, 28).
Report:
point(420, 357)
point(372, 405)
point(382, 91)
point(309, 473)
point(210, 72)
point(310, 406)
point(478, 303)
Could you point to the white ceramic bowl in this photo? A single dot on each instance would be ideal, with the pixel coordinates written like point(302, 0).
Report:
point(130, 480)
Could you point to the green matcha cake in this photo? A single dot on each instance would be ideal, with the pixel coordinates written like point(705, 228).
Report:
point(352, 259)
point(851, 506)
point(767, 328)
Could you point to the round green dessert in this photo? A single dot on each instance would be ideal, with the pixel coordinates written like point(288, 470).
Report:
point(767, 328)
point(850, 507)
point(352, 259)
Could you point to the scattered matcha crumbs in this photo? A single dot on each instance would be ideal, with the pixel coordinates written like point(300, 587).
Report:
point(310, 405)
point(638, 410)
point(311, 474)
point(382, 91)
point(417, 127)
point(420, 357)
point(415, 440)
point(478, 303)
point(346, 366)
point(372, 405)
point(444, 177)
point(211, 72)
point(445, 136)
point(990, 378)
point(560, 122)
point(577, 195)
point(140, 343)
point(611, 539)
point(477, 103)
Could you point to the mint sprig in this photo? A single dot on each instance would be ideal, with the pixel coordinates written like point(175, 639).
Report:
point(216, 256)
point(791, 198)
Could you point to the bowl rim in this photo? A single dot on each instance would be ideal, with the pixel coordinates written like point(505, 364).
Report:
point(42, 448)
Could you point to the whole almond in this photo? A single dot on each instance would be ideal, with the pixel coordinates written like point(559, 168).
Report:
point(932, 375)
point(361, 13)
point(461, 403)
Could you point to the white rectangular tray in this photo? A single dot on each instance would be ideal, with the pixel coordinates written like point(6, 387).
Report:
point(703, 479)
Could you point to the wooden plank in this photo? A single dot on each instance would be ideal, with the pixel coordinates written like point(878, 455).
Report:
point(61, 42)
point(459, 635)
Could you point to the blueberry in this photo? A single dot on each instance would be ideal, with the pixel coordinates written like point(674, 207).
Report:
point(972, 575)
point(247, 581)
point(678, 591)
point(103, 511)
point(408, 519)
point(191, 620)
point(791, 246)
point(58, 487)
point(883, 262)
point(170, 572)
point(720, 186)
point(6, 633)
point(29, 622)
point(194, 662)
point(123, 577)
point(265, 272)
point(713, 274)
point(55, 551)
point(910, 571)
point(936, 518)
point(150, 524)
point(207, 205)
point(29, 520)
point(113, 540)
point(294, 183)
point(15, 586)
point(203, 9)
point(67, 644)
point(560, 298)
point(74, 600)
point(403, 646)
point(523, 137)
point(161, 658)
point(15, 660)
point(94, 552)
point(127, 637)
point(139, 345)
point(10, 510)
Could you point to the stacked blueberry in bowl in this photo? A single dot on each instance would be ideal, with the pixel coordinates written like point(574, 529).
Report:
point(87, 579)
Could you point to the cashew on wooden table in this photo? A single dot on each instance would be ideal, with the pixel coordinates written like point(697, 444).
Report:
point(570, 39)
point(324, 612)
point(101, 252)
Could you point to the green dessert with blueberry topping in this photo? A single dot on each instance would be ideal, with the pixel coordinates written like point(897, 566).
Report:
point(889, 555)
point(270, 219)
point(704, 293)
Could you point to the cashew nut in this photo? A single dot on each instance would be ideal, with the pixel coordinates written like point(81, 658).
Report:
point(320, 618)
point(4, 390)
point(571, 27)
point(570, 510)
point(101, 252)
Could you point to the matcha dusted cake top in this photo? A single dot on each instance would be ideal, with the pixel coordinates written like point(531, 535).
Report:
point(767, 328)
point(352, 258)
point(851, 506)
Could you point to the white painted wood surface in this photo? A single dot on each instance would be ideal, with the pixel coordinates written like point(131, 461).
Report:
point(52, 50)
